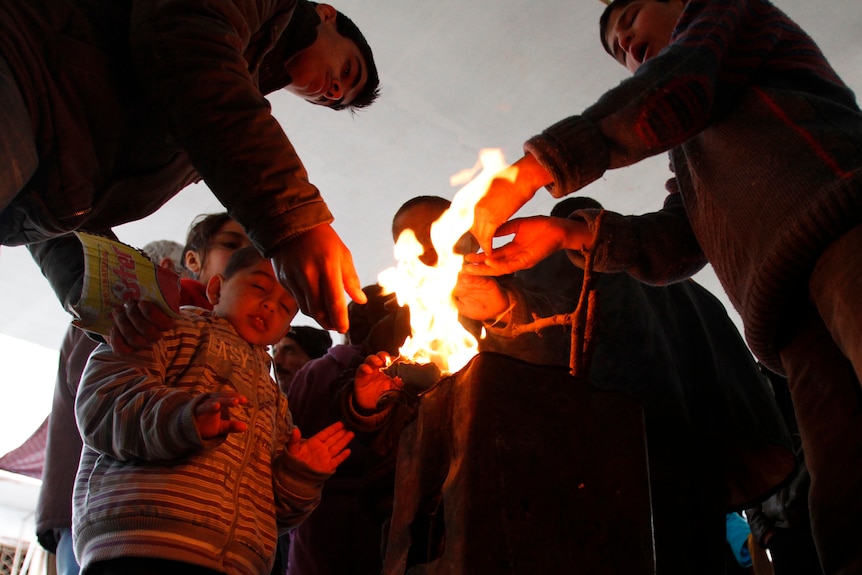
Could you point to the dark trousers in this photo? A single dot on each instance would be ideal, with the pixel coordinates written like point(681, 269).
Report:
point(793, 552)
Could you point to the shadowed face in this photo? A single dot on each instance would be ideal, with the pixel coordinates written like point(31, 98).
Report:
point(228, 239)
point(638, 31)
point(332, 71)
point(288, 357)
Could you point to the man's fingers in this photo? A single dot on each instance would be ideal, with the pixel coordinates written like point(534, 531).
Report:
point(352, 285)
point(156, 316)
point(125, 337)
point(140, 323)
point(118, 344)
point(334, 302)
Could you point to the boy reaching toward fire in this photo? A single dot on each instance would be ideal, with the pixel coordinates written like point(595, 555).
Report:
point(765, 141)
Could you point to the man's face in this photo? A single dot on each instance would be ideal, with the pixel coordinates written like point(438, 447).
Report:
point(640, 30)
point(288, 357)
point(330, 71)
point(255, 304)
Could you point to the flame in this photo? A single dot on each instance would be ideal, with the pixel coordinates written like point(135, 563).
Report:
point(437, 335)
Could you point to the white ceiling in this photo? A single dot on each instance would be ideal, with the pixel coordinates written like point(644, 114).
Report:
point(457, 76)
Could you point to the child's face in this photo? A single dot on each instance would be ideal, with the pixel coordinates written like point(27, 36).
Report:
point(255, 304)
point(640, 30)
point(330, 71)
point(229, 238)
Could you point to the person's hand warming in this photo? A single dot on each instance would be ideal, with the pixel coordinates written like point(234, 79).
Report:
point(510, 189)
point(317, 268)
point(370, 382)
point(480, 298)
point(212, 414)
point(137, 325)
point(323, 451)
point(535, 239)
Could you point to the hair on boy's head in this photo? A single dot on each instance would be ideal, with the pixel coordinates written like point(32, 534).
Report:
point(242, 259)
point(564, 208)
point(369, 93)
point(606, 15)
point(435, 203)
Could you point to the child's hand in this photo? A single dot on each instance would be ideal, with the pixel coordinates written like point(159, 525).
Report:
point(480, 298)
point(212, 414)
point(324, 451)
point(370, 383)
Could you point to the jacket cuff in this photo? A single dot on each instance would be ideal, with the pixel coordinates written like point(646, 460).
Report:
point(574, 153)
point(267, 236)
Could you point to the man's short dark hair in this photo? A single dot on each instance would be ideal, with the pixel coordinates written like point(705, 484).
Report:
point(371, 90)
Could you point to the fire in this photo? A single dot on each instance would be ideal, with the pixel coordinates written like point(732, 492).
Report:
point(437, 335)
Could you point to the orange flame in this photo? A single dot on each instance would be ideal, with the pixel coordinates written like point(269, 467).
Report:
point(437, 335)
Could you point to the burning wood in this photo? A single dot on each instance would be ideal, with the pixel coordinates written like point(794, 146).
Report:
point(417, 377)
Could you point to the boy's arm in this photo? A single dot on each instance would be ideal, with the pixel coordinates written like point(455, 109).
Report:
point(714, 56)
point(656, 249)
point(125, 410)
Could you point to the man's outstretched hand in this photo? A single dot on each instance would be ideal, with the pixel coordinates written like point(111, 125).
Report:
point(317, 268)
point(510, 189)
point(535, 239)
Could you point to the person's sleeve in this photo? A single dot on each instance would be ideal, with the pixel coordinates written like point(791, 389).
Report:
point(736, 533)
point(759, 524)
point(296, 486)
point(190, 57)
point(61, 261)
point(657, 248)
point(713, 56)
point(125, 410)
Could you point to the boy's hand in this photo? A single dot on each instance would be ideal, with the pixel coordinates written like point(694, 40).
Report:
point(535, 239)
point(324, 451)
point(137, 325)
point(370, 382)
point(510, 189)
point(480, 298)
point(317, 268)
point(212, 414)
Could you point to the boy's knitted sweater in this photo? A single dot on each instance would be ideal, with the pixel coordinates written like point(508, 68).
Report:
point(149, 486)
point(766, 143)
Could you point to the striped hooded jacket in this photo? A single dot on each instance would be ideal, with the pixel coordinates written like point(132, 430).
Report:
point(149, 486)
